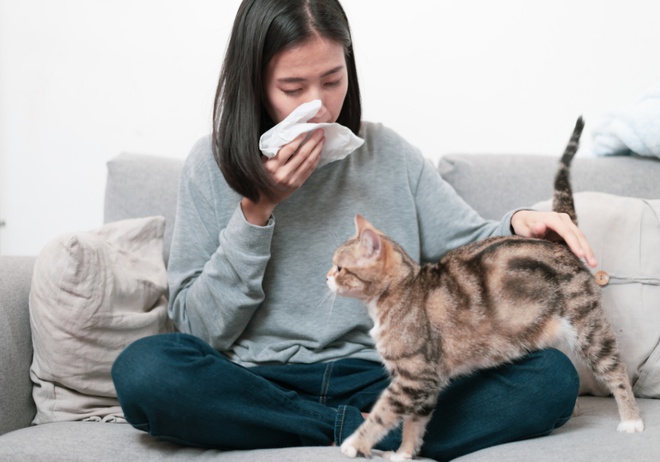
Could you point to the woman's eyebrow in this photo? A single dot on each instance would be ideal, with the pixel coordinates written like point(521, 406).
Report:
point(333, 71)
point(302, 79)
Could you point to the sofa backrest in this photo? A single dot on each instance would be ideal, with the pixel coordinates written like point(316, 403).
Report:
point(143, 185)
point(140, 186)
point(495, 184)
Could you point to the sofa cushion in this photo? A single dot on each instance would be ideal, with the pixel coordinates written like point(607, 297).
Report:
point(92, 294)
point(591, 435)
point(624, 233)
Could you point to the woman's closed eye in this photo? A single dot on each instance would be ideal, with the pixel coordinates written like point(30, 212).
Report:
point(292, 93)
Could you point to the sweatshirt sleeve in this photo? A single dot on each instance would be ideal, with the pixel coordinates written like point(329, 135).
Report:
point(446, 221)
point(217, 261)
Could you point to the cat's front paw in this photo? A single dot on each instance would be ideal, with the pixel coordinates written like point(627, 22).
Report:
point(631, 426)
point(352, 448)
point(400, 456)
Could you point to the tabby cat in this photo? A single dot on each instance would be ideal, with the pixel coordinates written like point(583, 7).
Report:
point(512, 295)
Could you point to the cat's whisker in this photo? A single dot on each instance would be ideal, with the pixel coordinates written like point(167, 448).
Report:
point(332, 296)
point(328, 294)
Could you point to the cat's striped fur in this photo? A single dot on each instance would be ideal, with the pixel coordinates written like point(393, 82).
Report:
point(482, 305)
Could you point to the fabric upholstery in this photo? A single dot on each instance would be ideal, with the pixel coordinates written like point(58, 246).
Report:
point(493, 185)
point(141, 186)
point(584, 437)
point(16, 406)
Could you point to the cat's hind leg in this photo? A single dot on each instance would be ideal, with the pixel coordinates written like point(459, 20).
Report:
point(619, 385)
point(598, 348)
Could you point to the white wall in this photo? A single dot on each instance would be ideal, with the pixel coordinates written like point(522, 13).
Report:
point(82, 80)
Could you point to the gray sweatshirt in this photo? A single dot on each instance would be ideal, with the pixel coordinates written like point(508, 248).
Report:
point(258, 294)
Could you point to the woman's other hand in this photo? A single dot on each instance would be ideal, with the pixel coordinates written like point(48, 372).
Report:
point(553, 227)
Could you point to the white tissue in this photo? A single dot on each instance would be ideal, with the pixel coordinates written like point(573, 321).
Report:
point(339, 140)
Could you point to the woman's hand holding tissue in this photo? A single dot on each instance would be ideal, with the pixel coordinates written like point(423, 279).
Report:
point(289, 169)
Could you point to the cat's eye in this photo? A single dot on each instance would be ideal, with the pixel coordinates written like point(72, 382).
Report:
point(339, 268)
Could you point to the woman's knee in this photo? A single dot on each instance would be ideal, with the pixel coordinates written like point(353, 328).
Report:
point(135, 368)
point(150, 367)
point(555, 385)
point(560, 372)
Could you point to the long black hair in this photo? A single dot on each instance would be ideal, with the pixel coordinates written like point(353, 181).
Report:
point(262, 29)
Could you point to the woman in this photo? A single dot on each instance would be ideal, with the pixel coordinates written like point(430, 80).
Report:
point(265, 358)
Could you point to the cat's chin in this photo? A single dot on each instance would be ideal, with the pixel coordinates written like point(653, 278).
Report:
point(348, 294)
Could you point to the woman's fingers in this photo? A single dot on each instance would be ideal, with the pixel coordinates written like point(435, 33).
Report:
point(554, 226)
point(575, 239)
point(296, 161)
point(294, 164)
point(308, 154)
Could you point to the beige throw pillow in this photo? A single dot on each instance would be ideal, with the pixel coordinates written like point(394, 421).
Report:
point(624, 233)
point(92, 294)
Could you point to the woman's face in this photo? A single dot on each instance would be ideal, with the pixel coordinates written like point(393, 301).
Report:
point(314, 70)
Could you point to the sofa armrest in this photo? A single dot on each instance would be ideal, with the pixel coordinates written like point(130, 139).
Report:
point(17, 409)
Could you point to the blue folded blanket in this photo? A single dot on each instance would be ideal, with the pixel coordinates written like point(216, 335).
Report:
point(632, 129)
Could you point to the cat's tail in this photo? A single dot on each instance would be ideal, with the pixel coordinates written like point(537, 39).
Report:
point(562, 200)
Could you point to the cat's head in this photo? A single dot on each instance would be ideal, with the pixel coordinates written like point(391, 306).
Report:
point(365, 264)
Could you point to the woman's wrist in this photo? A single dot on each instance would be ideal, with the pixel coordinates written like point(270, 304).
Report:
point(256, 213)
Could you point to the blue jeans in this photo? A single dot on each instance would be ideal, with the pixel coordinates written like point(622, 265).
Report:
point(177, 387)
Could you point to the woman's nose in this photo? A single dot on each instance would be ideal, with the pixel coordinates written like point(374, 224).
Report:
point(321, 116)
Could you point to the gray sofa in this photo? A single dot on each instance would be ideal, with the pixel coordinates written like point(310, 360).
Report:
point(140, 185)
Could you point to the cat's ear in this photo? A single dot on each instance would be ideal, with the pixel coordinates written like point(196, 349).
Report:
point(371, 242)
point(361, 224)
point(369, 238)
